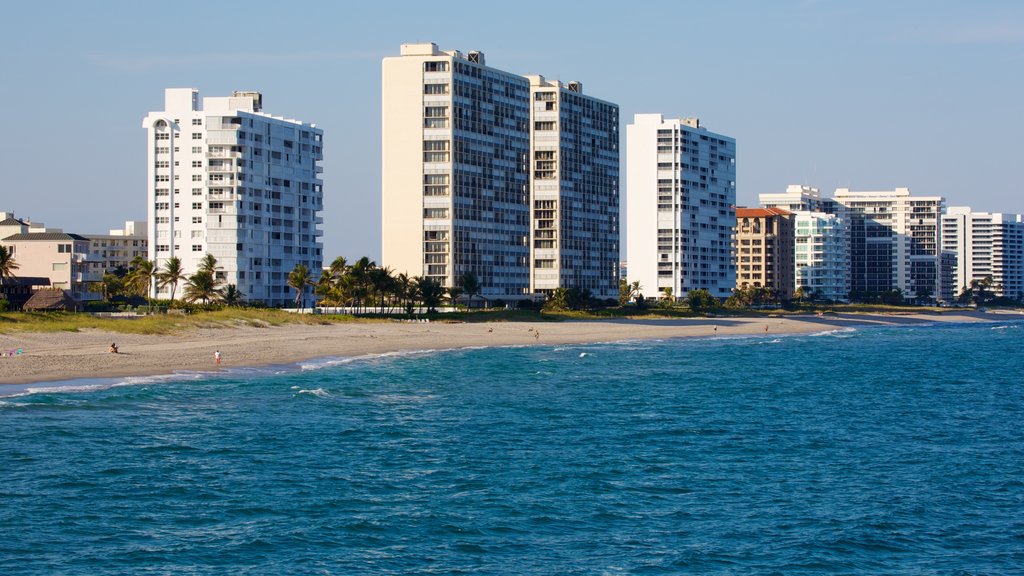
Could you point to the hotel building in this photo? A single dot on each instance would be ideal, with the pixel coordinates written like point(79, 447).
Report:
point(983, 244)
point(680, 202)
point(894, 242)
point(822, 255)
point(764, 250)
point(227, 179)
point(508, 177)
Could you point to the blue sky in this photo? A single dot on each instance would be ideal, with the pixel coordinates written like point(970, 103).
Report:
point(865, 95)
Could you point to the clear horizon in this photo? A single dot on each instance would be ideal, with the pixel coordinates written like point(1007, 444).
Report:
point(868, 95)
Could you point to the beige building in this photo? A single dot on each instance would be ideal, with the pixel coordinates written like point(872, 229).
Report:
point(118, 248)
point(61, 257)
point(764, 250)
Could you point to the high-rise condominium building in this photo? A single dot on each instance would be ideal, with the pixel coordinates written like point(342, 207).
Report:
point(574, 185)
point(227, 179)
point(796, 198)
point(496, 174)
point(984, 244)
point(680, 202)
point(764, 250)
point(822, 255)
point(894, 242)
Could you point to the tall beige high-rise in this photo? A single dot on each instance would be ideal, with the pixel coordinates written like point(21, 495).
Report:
point(511, 178)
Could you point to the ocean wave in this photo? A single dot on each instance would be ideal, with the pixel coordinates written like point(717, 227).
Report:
point(85, 385)
point(318, 392)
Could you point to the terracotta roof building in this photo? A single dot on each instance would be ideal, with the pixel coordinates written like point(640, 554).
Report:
point(764, 250)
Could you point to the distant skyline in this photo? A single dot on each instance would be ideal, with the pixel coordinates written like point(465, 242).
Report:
point(865, 95)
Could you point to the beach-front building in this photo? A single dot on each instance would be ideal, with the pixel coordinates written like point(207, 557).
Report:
point(680, 204)
point(574, 189)
point(118, 248)
point(894, 242)
point(796, 198)
point(821, 255)
point(228, 179)
point(764, 250)
point(984, 244)
point(60, 257)
point(511, 178)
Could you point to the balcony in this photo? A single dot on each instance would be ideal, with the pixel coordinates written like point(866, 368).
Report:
point(223, 154)
point(228, 169)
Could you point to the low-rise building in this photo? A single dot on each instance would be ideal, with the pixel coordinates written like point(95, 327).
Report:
point(118, 248)
point(61, 257)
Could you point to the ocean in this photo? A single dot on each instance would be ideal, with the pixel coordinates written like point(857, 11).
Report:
point(876, 450)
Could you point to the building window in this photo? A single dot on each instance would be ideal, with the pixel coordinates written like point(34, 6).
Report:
point(197, 247)
point(197, 177)
point(197, 163)
point(197, 205)
point(439, 66)
point(197, 121)
point(197, 135)
point(435, 88)
point(197, 219)
point(197, 149)
point(543, 125)
point(435, 212)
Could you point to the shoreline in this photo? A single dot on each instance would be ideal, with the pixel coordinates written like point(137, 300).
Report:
point(64, 356)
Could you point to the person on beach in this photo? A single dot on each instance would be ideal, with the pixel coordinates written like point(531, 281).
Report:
point(536, 335)
point(765, 328)
point(113, 348)
point(716, 329)
point(216, 356)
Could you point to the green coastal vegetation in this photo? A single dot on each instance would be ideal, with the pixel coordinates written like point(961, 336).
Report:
point(364, 291)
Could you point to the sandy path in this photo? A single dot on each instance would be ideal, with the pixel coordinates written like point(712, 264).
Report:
point(66, 356)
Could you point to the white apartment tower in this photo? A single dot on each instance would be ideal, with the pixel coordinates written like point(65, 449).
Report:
point(574, 188)
point(225, 178)
point(822, 254)
point(496, 174)
point(680, 202)
point(984, 244)
point(796, 198)
point(894, 242)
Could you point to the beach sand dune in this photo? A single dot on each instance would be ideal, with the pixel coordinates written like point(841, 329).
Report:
point(66, 356)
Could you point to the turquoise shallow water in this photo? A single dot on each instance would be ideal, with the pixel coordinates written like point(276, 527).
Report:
point(877, 450)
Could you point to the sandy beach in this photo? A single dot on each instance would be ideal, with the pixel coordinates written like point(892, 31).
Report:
point(68, 356)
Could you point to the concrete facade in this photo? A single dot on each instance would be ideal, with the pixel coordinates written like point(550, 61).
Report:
point(61, 257)
point(894, 242)
point(822, 255)
point(680, 202)
point(983, 244)
point(118, 248)
point(225, 178)
point(764, 250)
point(574, 188)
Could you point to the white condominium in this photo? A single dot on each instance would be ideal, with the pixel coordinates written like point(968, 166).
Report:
point(680, 202)
point(225, 178)
point(984, 244)
point(115, 250)
point(822, 255)
point(574, 184)
point(465, 191)
point(894, 242)
point(796, 198)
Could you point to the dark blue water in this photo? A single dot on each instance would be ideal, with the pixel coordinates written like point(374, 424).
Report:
point(881, 450)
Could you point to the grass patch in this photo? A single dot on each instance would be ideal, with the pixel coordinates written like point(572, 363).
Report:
point(158, 323)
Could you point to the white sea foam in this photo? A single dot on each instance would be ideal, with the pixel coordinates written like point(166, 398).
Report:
point(318, 392)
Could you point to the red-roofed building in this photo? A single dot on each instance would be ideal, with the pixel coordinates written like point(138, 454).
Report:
point(764, 250)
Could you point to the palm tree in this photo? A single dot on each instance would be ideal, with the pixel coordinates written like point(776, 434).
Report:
point(202, 285)
point(7, 265)
point(209, 264)
point(430, 292)
point(140, 277)
point(232, 296)
point(171, 275)
point(404, 291)
point(383, 283)
point(299, 278)
point(453, 294)
point(470, 284)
